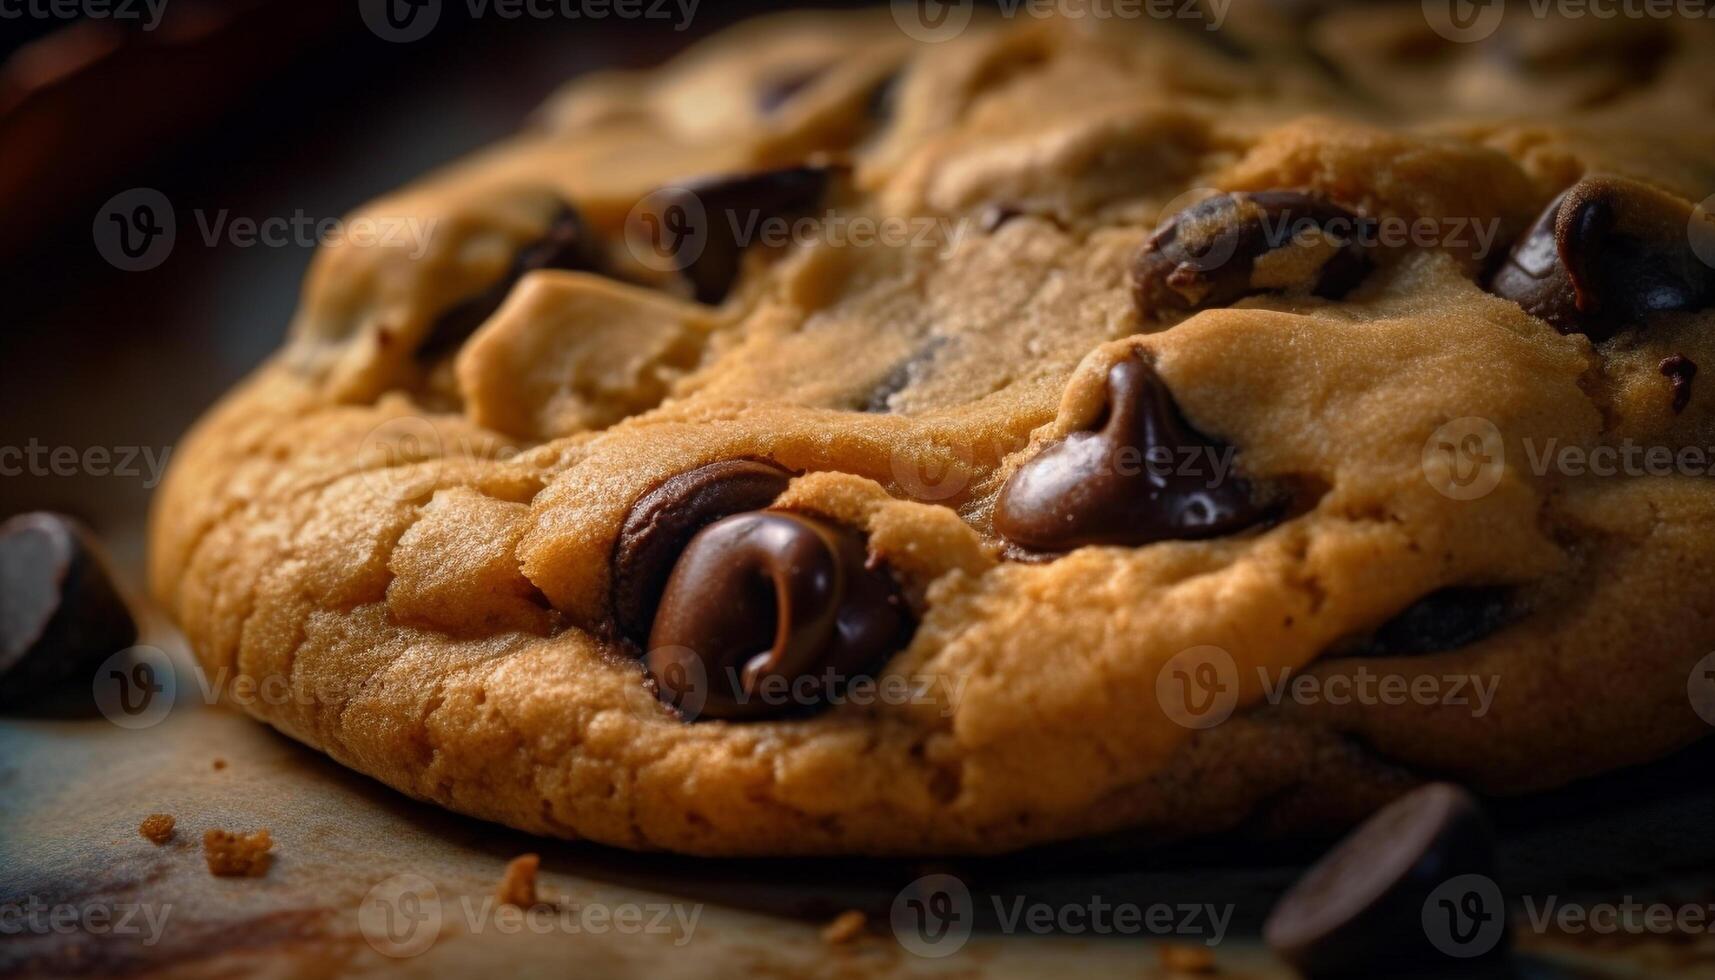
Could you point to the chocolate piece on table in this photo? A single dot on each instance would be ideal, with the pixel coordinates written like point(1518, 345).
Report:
point(1412, 889)
point(60, 613)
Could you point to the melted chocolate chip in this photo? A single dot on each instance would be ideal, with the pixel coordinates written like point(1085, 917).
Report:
point(723, 212)
point(1679, 370)
point(1230, 246)
point(1141, 475)
point(770, 614)
point(1412, 888)
point(1606, 255)
point(664, 520)
point(566, 244)
point(60, 614)
point(1446, 619)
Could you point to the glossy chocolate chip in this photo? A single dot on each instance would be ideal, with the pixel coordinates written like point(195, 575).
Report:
point(566, 244)
point(1413, 888)
point(1234, 245)
point(60, 614)
point(663, 522)
point(1679, 370)
point(724, 212)
point(1140, 475)
point(1446, 619)
point(769, 614)
point(1607, 254)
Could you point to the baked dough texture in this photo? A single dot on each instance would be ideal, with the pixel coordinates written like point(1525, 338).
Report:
point(398, 551)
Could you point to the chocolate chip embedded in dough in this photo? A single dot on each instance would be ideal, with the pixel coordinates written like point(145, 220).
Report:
point(770, 614)
point(567, 244)
point(1605, 255)
point(1679, 370)
point(1230, 246)
point(1140, 475)
point(663, 521)
point(706, 224)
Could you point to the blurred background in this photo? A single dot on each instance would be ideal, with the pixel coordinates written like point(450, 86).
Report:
point(293, 110)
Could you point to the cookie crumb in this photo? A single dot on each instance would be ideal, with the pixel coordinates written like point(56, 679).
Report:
point(231, 855)
point(157, 828)
point(219, 764)
point(1185, 958)
point(846, 927)
point(518, 885)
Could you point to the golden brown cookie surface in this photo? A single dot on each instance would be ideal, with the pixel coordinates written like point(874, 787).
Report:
point(1355, 498)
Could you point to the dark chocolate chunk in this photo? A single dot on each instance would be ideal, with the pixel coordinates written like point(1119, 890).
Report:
point(1410, 890)
point(60, 614)
point(1446, 619)
point(710, 221)
point(1606, 255)
point(769, 614)
point(1679, 370)
point(566, 244)
point(1213, 252)
point(663, 521)
point(1140, 475)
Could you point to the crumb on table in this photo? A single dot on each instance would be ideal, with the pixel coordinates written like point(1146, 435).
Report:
point(157, 827)
point(518, 885)
point(219, 764)
point(846, 927)
point(237, 855)
point(1186, 958)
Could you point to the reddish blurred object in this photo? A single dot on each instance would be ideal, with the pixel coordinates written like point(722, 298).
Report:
point(94, 100)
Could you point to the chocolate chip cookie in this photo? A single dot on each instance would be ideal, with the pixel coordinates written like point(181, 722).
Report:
point(847, 441)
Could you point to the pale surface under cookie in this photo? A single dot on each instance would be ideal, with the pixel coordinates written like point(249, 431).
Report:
point(417, 553)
